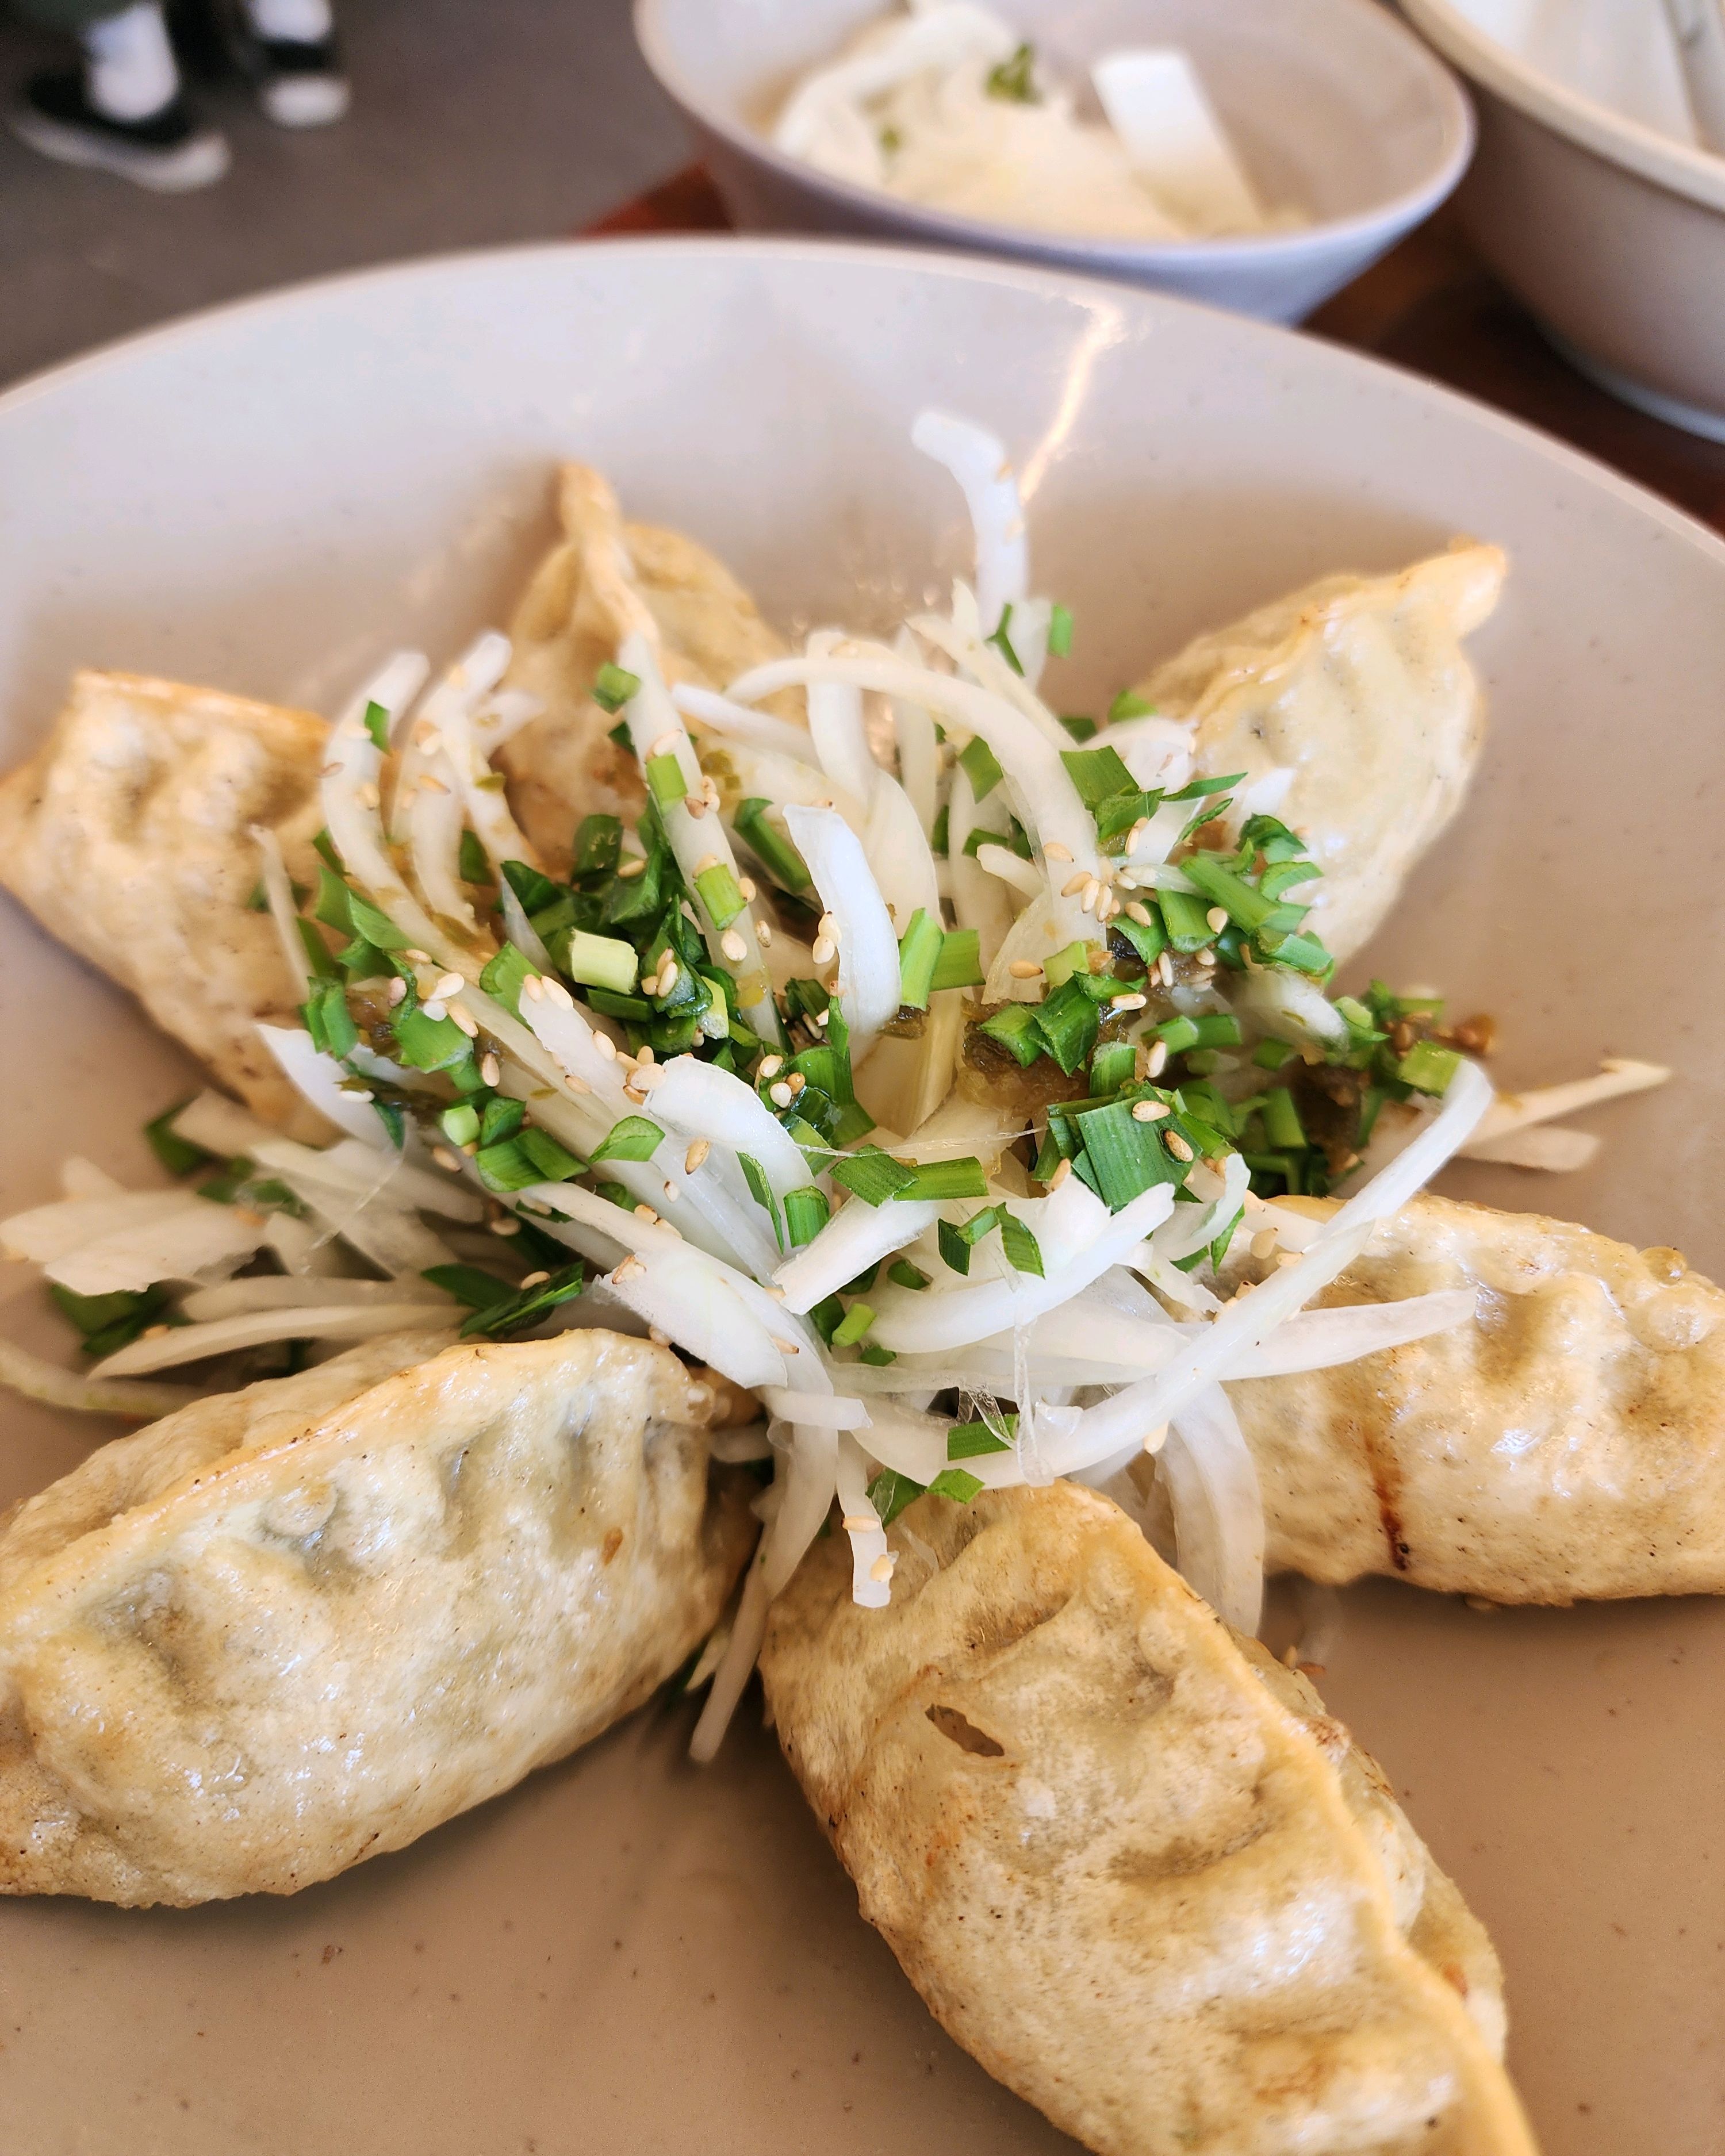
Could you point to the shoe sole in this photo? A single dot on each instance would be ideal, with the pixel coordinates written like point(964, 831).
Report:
point(303, 100)
point(198, 163)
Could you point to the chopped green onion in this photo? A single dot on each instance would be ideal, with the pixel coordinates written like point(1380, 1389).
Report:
point(178, 1155)
point(317, 952)
point(1068, 1023)
point(1371, 1102)
point(1304, 954)
point(720, 894)
point(505, 1167)
point(872, 1175)
point(666, 780)
point(479, 1290)
point(502, 978)
point(1126, 1157)
point(890, 1492)
point(918, 951)
point(769, 844)
point(1130, 705)
point(1196, 789)
point(527, 1305)
point(1282, 1126)
point(377, 727)
point(1183, 916)
point(806, 1213)
point(601, 962)
point(975, 1441)
point(332, 1027)
point(959, 965)
point(1024, 1253)
point(760, 1190)
point(1271, 1054)
point(473, 864)
point(1112, 1066)
point(907, 1274)
point(460, 1125)
point(981, 768)
point(1427, 1067)
point(501, 1120)
point(942, 1179)
point(1178, 1034)
point(954, 1247)
point(429, 1044)
point(1078, 725)
point(1237, 898)
point(1002, 642)
point(555, 1162)
point(1012, 79)
point(615, 686)
point(636, 1137)
point(1148, 938)
point(1059, 632)
point(1098, 773)
point(852, 1328)
point(598, 847)
point(1016, 1029)
point(878, 1356)
point(939, 837)
point(953, 1482)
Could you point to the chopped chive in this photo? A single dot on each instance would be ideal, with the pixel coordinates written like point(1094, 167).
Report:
point(1305, 954)
point(377, 727)
point(616, 1193)
point(1078, 725)
point(1024, 1253)
point(505, 1166)
point(975, 1441)
point(1130, 705)
point(332, 1027)
point(1126, 1157)
point(1427, 1067)
point(864, 1282)
point(613, 687)
point(1059, 632)
point(619, 734)
point(534, 888)
point(1061, 965)
point(1068, 1022)
point(1112, 1066)
point(601, 962)
point(919, 951)
point(460, 1125)
point(666, 780)
point(942, 1179)
point(769, 844)
point(1014, 1027)
point(907, 1274)
point(953, 1246)
point(473, 863)
point(760, 1190)
point(852, 1328)
point(317, 952)
point(953, 1482)
point(872, 1352)
point(872, 1175)
point(981, 1224)
point(1282, 1126)
point(1271, 1054)
point(806, 1213)
point(502, 978)
point(959, 965)
point(527, 1305)
point(479, 1290)
point(1013, 79)
point(1182, 915)
point(1286, 875)
point(556, 1163)
point(501, 1120)
point(178, 1155)
point(1148, 939)
point(890, 1492)
point(1241, 903)
point(1371, 1102)
point(1098, 773)
point(1002, 641)
point(598, 846)
point(1176, 1034)
point(939, 838)
point(1196, 789)
point(429, 1044)
point(635, 1137)
point(720, 894)
point(981, 768)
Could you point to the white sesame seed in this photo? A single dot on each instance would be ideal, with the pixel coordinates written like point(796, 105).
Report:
point(1130, 1002)
point(557, 992)
point(576, 1085)
point(508, 1225)
point(1265, 1242)
point(491, 1070)
point(445, 1158)
point(1075, 883)
point(435, 1009)
point(395, 991)
point(781, 1094)
point(699, 1148)
point(667, 976)
point(784, 1347)
point(643, 1053)
point(534, 1280)
point(733, 947)
point(1139, 912)
point(449, 985)
point(796, 1081)
point(1060, 1175)
point(672, 1193)
point(368, 795)
point(645, 1212)
point(633, 866)
point(1217, 918)
point(430, 779)
point(666, 745)
point(631, 1095)
point(607, 1047)
point(694, 803)
point(533, 987)
point(826, 926)
point(628, 1268)
point(880, 1571)
point(329, 771)
point(1136, 833)
point(1176, 1145)
point(647, 1076)
point(426, 736)
point(771, 1065)
point(707, 861)
point(1091, 894)
point(773, 1289)
point(1055, 851)
point(1158, 1060)
point(1147, 1111)
point(763, 931)
point(748, 886)
point(823, 953)
point(468, 1025)
point(1289, 1258)
point(1025, 969)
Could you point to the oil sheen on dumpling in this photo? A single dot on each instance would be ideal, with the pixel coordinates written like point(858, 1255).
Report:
point(271, 1636)
point(1126, 1859)
point(1567, 1443)
point(128, 836)
point(564, 765)
point(1359, 686)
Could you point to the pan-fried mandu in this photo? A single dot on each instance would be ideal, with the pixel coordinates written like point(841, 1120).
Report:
point(1566, 1444)
point(279, 1633)
point(126, 836)
point(1126, 1859)
point(564, 765)
point(1359, 684)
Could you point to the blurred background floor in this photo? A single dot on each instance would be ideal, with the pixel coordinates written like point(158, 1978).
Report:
point(474, 121)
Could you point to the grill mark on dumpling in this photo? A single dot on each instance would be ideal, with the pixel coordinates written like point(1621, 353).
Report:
point(1184, 1858)
point(1385, 1471)
point(958, 1729)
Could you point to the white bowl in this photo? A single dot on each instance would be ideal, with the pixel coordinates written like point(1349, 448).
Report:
point(1612, 233)
point(623, 1954)
point(1334, 109)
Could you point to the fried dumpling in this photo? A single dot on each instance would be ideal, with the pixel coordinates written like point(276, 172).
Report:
point(272, 1636)
point(127, 835)
point(1567, 1443)
point(563, 764)
point(1125, 1857)
point(1360, 687)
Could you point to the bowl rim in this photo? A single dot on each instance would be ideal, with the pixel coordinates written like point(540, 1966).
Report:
point(1697, 174)
point(1386, 221)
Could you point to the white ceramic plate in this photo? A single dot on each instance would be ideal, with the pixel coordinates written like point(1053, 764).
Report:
point(624, 1953)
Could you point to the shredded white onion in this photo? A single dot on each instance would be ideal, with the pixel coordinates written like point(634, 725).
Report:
point(868, 948)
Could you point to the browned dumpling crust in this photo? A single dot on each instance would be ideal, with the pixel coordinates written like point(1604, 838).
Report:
point(1128, 1861)
point(128, 836)
point(1566, 1444)
point(1359, 686)
point(564, 765)
point(268, 1638)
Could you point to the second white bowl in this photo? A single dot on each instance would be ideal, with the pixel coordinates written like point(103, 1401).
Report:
point(1333, 107)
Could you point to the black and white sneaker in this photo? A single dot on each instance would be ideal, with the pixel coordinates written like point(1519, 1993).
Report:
point(297, 81)
point(167, 150)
